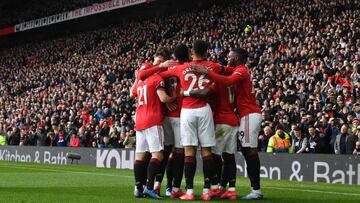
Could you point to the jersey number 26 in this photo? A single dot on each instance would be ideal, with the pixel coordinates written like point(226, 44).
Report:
point(195, 79)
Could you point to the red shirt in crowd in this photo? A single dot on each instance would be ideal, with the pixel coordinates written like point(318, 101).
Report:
point(74, 142)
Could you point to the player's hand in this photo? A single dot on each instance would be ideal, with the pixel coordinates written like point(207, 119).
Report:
point(200, 69)
point(171, 106)
point(136, 74)
point(167, 64)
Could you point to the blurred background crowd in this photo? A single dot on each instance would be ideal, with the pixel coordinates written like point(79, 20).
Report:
point(304, 58)
point(12, 13)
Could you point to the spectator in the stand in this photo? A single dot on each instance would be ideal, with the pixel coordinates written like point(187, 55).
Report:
point(2, 135)
point(264, 138)
point(104, 135)
point(332, 131)
point(22, 12)
point(106, 141)
point(357, 149)
point(14, 136)
point(32, 137)
point(74, 141)
point(114, 138)
point(129, 140)
point(51, 138)
point(354, 124)
point(280, 142)
point(94, 144)
point(82, 137)
point(61, 138)
point(345, 141)
point(357, 133)
point(314, 144)
point(41, 137)
point(299, 141)
point(305, 63)
point(24, 137)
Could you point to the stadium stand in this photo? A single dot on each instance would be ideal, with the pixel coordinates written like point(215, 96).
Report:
point(14, 12)
point(305, 57)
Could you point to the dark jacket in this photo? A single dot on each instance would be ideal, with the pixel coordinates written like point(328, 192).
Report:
point(350, 142)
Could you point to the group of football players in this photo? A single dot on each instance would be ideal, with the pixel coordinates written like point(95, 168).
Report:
point(188, 103)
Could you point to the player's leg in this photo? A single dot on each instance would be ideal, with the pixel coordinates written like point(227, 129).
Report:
point(188, 129)
point(217, 151)
point(249, 132)
point(160, 176)
point(178, 159)
point(229, 168)
point(168, 147)
point(154, 137)
point(190, 168)
point(169, 174)
point(178, 170)
point(153, 169)
point(208, 172)
point(229, 176)
point(206, 136)
point(146, 164)
point(229, 155)
point(140, 168)
point(218, 165)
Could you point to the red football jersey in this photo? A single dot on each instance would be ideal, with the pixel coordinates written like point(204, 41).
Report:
point(149, 109)
point(223, 106)
point(171, 83)
point(189, 80)
point(245, 96)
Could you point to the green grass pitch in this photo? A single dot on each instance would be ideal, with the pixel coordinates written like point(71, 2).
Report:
point(36, 183)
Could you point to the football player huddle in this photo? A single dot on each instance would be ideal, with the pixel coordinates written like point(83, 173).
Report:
point(188, 104)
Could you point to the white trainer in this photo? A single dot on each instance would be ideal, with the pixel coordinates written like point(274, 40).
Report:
point(168, 192)
point(254, 195)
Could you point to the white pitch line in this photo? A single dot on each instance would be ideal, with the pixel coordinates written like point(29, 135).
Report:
point(313, 191)
point(75, 172)
point(199, 182)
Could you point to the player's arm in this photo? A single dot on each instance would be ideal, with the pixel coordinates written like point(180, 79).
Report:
point(227, 70)
point(133, 89)
point(164, 98)
point(132, 94)
point(160, 91)
point(303, 146)
point(151, 71)
point(198, 93)
point(143, 74)
point(225, 80)
point(223, 70)
point(167, 74)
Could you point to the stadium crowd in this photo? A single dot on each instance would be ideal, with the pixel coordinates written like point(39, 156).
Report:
point(14, 12)
point(304, 57)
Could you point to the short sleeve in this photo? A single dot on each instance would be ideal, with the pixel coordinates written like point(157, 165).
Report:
point(242, 72)
point(158, 82)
